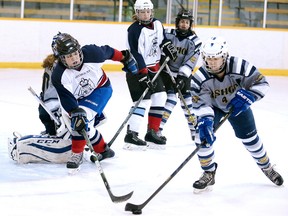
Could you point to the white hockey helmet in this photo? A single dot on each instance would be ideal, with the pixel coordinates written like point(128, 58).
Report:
point(142, 5)
point(215, 47)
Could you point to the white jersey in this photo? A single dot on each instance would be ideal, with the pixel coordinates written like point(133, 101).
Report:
point(144, 43)
point(209, 91)
point(72, 84)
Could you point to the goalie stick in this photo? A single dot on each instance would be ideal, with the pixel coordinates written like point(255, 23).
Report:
point(192, 118)
point(137, 103)
point(137, 209)
point(43, 105)
point(115, 199)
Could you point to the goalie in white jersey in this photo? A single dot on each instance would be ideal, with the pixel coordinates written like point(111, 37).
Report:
point(188, 46)
point(222, 84)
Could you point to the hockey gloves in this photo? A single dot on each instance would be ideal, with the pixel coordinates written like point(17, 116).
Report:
point(180, 82)
point(129, 62)
point(206, 133)
point(169, 49)
point(79, 120)
point(145, 81)
point(241, 102)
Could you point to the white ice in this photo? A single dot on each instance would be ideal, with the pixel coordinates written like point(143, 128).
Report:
point(46, 189)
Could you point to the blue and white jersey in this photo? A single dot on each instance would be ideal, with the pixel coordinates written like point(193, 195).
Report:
point(144, 42)
point(209, 91)
point(72, 84)
point(188, 50)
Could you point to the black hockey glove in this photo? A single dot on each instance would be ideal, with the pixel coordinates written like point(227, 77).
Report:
point(79, 120)
point(145, 81)
point(169, 49)
point(181, 82)
point(129, 62)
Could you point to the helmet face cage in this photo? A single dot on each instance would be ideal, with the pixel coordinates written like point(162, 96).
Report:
point(215, 47)
point(144, 5)
point(65, 45)
point(184, 14)
point(53, 45)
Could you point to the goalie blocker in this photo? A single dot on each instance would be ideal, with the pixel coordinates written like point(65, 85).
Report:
point(39, 149)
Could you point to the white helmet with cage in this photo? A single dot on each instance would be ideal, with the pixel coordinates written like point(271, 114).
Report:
point(143, 5)
point(215, 54)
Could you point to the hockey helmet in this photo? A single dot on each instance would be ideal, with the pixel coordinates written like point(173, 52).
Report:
point(65, 45)
point(214, 54)
point(184, 14)
point(144, 5)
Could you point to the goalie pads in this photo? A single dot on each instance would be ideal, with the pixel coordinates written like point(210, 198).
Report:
point(39, 149)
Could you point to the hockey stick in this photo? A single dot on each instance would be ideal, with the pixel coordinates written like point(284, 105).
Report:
point(137, 209)
point(114, 198)
point(44, 106)
point(137, 103)
point(192, 118)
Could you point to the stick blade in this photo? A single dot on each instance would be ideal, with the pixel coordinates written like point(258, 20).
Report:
point(132, 207)
point(118, 199)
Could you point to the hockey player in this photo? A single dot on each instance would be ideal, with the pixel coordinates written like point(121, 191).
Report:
point(145, 40)
point(84, 90)
point(222, 84)
point(188, 46)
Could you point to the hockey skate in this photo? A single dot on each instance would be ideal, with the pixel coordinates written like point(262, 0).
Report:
point(133, 142)
point(206, 181)
point(73, 164)
point(159, 134)
point(274, 176)
point(154, 141)
point(108, 153)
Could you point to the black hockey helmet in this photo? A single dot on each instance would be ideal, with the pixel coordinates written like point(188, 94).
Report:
point(184, 14)
point(66, 44)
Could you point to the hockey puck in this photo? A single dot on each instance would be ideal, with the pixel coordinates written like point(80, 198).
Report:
point(137, 211)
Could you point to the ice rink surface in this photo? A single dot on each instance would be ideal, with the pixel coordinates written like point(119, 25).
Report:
point(46, 189)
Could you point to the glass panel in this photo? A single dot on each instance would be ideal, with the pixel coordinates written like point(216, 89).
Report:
point(208, 12)
point(10, 8)
point(277, 14)
point(49, 9)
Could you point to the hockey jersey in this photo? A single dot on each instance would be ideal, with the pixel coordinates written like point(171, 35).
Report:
point(144, 43)
point(209, 91)
point(72, 84)
point(188, 50)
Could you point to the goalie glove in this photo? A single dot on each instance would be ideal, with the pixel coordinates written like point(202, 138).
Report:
point(129, 62)
point(169, 49)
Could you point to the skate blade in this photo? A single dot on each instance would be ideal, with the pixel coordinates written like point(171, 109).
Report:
point(73, 171)
point(132, 147)
point(207, 189)
point(156, 146)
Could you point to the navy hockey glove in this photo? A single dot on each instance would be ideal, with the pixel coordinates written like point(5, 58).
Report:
point(169, 49)
point(129, 62)
point(241, 102)
point(145, 81)
point(79, 120)
point(206, 133)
